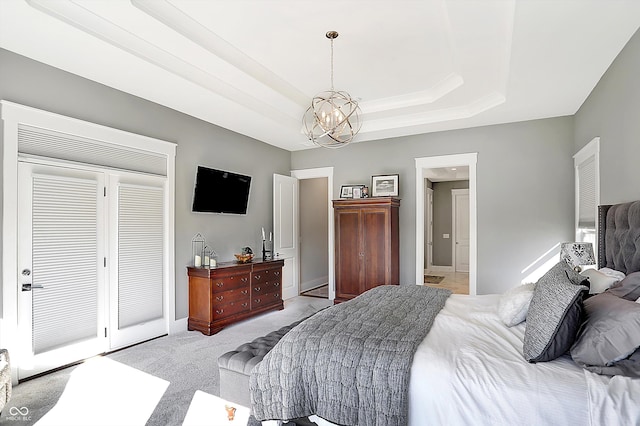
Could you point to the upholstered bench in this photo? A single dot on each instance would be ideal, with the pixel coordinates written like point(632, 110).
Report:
point(235, 366)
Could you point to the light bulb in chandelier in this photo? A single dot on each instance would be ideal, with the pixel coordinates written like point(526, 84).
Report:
point(333, 119)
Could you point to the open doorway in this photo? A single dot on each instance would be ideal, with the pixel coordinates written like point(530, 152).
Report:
point(446, 254)
point(316, 257)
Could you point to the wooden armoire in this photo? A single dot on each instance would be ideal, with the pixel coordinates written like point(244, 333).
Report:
point(367, 244)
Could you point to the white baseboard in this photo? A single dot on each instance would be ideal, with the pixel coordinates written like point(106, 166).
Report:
point(435, 268)
point(310, 285)
point(178, 326)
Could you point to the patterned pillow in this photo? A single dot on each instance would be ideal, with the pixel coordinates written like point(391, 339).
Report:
point(555, 314)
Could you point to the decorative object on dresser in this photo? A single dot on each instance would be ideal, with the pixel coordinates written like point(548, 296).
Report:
point(577, 254)
point(385, 185)
point(197, 249)
point(366, 245)
point(232, 292)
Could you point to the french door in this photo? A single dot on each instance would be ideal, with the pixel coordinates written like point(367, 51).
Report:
point(90, 253)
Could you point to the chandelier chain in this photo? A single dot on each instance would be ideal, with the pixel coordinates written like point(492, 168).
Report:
point(332, 64)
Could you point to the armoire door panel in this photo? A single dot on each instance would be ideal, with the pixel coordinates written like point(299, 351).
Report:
point(375, 247)
point(348, 254)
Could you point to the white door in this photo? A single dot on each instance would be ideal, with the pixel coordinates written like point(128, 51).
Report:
point(137, 223)
point(285, 231)
point(61, 274)
point(461, 229)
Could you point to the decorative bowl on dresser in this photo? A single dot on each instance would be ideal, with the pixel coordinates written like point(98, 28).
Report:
point(232, 292)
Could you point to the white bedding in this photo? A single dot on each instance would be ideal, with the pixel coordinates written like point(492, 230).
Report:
point(470, 370)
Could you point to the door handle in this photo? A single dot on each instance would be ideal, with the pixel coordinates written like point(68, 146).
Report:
point(28, 287)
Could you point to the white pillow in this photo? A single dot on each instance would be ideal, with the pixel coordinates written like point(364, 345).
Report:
point(613, 273)
point(598, 281)
point(514, 304)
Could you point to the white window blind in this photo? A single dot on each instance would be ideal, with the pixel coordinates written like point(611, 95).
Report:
point(587, 193)
point(64, 260)
point(140, 254)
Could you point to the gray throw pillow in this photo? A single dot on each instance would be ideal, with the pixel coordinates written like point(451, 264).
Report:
point(610, 337)
point(555, 314)
point(628, 288)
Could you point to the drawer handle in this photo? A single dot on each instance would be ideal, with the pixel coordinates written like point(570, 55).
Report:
point(219, 298)
point(276, 284)
point(276, 295)
point(244, 279)
point(244, 305)
point(220, 284)
point(276, 273)
point(258, 300)
point(256, 288)
point(244, 291)
point(219, 311)
point(257, 277)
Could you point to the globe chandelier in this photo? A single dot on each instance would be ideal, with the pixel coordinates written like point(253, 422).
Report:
point(333, 119)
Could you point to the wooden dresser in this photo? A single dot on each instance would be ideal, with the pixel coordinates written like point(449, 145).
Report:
point(367, 245)
point(232, 292)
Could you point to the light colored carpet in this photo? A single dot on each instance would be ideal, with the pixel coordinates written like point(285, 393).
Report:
point(187, 360)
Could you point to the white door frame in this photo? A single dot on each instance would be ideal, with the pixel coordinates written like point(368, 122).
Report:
point(454, 228)
point(14, 114)
point(324, 172)
point(455, 160)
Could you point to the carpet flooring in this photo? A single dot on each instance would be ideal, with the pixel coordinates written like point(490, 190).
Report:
point(187, 360)
point(433, 279)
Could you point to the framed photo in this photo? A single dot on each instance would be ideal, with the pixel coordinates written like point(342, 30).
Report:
point(346, 191)
point(351, 191)
point(385, 185)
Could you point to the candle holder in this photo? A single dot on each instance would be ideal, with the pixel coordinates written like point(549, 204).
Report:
point(266, 254)
point(197, 250)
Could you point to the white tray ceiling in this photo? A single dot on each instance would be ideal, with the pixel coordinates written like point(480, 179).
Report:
point(253, 66)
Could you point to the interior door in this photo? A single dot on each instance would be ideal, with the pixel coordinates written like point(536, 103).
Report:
point(285, 231)
point(61, 273)
point(461, 229)
point(428, 229)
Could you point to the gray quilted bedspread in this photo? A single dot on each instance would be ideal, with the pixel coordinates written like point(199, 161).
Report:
point(349, 364)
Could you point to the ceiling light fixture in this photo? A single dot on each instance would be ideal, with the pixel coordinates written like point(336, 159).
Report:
point(333, 119)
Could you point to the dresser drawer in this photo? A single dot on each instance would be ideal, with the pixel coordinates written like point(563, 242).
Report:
point(264, 299)
point(237, 294)
point(225, 283)
point(266, 276)
point(266, 287)
point(224, 310)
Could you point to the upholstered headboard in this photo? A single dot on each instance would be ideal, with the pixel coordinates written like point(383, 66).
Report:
point(619, 237)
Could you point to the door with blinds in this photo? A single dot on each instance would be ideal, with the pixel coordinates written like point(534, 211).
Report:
point(61, 277)
point(137, 223)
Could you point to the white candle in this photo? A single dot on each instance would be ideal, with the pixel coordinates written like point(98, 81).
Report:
point(213, 263)
point(262, 234)
point(198, 261)
point(206, 261)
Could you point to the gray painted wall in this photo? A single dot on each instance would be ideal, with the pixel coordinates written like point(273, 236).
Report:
point(37, 85)
point(524, 189)
point(314, 229)
point(612, 112)
point(442, 220)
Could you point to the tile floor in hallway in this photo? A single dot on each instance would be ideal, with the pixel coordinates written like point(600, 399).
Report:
point(457, 282)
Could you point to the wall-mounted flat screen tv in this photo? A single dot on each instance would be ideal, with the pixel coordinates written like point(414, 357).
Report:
point(219, 191)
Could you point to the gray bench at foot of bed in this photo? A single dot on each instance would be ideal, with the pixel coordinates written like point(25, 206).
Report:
point(235, 366)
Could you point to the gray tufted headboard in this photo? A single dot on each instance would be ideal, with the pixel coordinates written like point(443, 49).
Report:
point(619, 237)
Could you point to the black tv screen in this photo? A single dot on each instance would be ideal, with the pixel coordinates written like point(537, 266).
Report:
point(218, 191)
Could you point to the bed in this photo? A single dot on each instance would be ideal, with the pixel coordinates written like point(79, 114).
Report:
point(471, 368)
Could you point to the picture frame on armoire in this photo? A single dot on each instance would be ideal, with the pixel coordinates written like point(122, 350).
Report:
point(385, 185)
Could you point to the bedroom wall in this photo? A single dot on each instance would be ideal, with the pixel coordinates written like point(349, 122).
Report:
point(442, 220)
point(34, 84)
point(524, 189)
point(611, 112)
